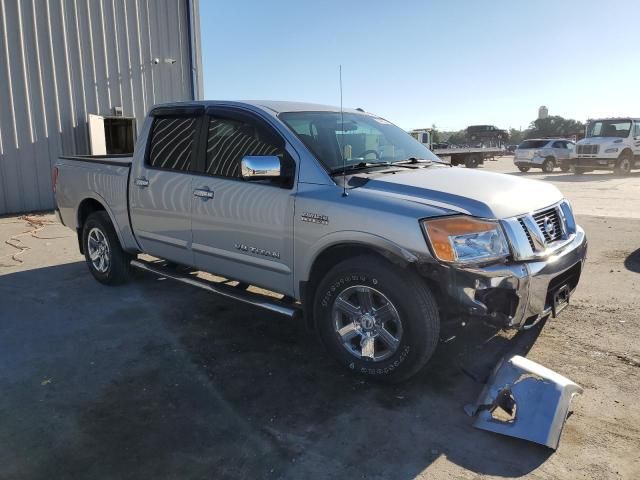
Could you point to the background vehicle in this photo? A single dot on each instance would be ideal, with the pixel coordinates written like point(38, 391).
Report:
point(609, 144)
point(544, 153)
point(354, 226)
point(470, 157)
point(487, 134)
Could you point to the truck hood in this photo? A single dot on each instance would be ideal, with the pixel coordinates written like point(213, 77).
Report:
point(473, 192)
point(599, 140)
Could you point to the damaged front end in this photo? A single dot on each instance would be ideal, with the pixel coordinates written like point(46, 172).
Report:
point(514, 294)
point(525, 400)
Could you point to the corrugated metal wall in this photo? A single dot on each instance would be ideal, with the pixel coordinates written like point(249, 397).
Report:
point(61, 60)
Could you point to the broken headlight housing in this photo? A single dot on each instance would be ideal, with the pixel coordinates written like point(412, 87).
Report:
point(466, 240)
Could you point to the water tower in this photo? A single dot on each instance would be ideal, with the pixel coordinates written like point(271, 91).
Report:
point(543, 112)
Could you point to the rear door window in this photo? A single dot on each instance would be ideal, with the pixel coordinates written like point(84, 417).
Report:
point(172, 142)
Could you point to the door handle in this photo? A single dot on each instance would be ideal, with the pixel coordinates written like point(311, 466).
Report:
point(203, 193)
point(141, 182)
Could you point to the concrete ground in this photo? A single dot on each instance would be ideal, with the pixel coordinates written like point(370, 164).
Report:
point(159, 380)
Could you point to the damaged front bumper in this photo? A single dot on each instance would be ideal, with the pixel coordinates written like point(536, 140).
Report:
point(516, 294)
point(525, 400)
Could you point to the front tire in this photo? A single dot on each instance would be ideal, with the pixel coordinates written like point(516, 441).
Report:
point(107, 262)
point(375, 319)
point(578, 170)
point(623, 166)
point(523, 169)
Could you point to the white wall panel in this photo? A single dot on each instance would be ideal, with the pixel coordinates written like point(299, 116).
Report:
point(61, 60)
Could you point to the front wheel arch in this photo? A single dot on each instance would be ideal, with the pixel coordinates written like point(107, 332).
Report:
point(333, 255)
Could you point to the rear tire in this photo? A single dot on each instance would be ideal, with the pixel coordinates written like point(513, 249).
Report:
point(548, 165)
point(107, 262)
point(472, 161)
point(624, 163)
point(364, 299)
point(523, 169)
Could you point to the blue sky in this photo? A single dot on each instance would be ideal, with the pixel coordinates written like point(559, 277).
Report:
point(452, 63)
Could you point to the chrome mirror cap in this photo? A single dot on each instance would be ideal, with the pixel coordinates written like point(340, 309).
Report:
point(260, 167)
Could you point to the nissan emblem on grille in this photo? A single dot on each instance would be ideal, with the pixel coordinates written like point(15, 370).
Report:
point(549, 227)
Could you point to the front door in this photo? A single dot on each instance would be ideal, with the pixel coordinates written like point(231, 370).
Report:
point(161, 190)
point(243, 230)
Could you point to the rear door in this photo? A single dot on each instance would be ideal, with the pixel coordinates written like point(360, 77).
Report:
point(560, 150)
point(244, 230)
point(160, 189)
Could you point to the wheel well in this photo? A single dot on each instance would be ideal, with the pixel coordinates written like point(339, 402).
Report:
point(86, 208)
point(336, 254)
point(626, 151)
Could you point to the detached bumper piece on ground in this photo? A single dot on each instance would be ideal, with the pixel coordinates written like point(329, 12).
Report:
point(525, 400)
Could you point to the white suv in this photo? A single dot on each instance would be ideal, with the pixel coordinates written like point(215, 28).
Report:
point(544, 153)
point(610, 144)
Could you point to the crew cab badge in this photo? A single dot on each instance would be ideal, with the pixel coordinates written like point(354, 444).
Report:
point(315, 218)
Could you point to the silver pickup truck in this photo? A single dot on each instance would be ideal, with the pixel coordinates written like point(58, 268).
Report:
point(353, 225)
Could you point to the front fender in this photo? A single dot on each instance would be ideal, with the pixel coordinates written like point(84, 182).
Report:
point(353, 237)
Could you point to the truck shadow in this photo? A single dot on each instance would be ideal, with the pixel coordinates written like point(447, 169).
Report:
point(632, 262)
point(157, 379)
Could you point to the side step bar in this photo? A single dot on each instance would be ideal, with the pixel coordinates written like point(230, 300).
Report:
point(273, 305)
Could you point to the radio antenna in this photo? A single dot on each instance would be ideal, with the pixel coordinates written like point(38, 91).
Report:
point(344, 160)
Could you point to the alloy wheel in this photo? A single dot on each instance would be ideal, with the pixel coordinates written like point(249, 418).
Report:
point(98, 248)
point(367, 323)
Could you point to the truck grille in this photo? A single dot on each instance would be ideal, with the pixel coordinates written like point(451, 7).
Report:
point(587, 149)
point(526, 232)
point(549, 223)
point(540, 233)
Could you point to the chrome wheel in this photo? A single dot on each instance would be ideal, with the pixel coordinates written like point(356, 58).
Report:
point(367, 323)
point(98, 248)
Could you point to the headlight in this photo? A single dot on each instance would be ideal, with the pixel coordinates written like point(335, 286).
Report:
point(611, 150)
point(465, 239)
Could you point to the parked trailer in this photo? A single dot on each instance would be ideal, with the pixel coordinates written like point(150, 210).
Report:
point(469, 157)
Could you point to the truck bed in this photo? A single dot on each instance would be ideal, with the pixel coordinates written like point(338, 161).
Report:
point(103, 178)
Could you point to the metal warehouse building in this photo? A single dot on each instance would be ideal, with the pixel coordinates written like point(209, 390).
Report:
point(78, 76)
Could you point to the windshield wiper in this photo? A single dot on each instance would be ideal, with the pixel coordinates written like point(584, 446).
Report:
point(359, 166)
point(412, 160)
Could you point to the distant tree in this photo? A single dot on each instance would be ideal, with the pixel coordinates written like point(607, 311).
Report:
point(457, 138)
point(516, 136)
point(554, 126)
point(435, 135)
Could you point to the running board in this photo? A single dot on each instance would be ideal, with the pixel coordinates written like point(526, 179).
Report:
point(274, 305)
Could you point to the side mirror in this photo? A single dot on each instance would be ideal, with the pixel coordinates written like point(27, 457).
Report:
point(260, 167)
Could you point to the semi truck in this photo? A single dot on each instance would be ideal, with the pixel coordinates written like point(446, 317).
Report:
point(609, 144)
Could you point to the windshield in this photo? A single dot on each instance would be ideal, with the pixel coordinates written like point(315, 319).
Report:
point(609, 128)
point(533, 144)
point(358, 138)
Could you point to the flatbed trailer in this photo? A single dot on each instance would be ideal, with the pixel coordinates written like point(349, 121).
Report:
point(470, 157)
